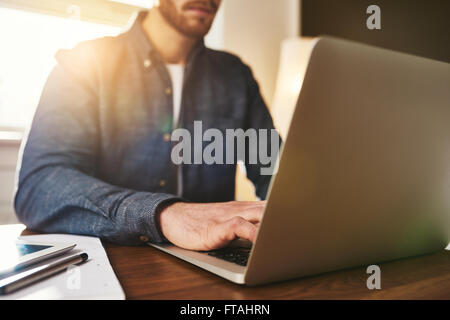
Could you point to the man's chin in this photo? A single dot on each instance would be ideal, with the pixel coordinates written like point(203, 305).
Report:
point(196, 27)
point(196, 32)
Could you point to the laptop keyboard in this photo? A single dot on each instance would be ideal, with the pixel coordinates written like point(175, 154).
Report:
point(238, 255)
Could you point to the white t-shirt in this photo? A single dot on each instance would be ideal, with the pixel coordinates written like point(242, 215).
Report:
point(176, 72)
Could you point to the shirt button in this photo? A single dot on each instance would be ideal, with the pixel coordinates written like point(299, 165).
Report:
point(166, 137)
point(147, 63)
point(168, 91)
point(162, 183)
point(143, 238)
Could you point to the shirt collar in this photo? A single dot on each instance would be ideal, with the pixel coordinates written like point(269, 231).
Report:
point(138, 35)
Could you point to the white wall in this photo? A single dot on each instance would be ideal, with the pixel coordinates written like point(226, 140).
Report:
point(254, 30)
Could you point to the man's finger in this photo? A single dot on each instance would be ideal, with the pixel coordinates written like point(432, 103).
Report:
point(240, 227)
point(253, 214)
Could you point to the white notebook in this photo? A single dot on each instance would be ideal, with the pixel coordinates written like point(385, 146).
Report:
point(94, 279)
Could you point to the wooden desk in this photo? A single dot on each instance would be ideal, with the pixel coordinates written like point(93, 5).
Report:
point(147, 273)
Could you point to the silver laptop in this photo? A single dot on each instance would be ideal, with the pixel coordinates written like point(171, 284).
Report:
point(364, 174)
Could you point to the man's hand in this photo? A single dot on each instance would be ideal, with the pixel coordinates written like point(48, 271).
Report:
point(198, 226)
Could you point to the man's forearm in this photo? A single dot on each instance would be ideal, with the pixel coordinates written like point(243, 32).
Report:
point(63, 199)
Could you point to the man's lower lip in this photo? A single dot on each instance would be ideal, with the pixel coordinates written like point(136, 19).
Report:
point(199, 12)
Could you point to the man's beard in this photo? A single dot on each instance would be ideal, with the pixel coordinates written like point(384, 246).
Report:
point(176, 20)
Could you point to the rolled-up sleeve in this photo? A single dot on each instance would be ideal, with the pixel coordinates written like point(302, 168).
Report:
point(57, 189)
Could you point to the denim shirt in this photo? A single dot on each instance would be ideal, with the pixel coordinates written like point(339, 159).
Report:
point(97, 159)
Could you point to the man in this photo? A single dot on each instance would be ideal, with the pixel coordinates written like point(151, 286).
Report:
point(97, 160)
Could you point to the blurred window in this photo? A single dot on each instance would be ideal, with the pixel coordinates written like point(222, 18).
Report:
point(29, 42)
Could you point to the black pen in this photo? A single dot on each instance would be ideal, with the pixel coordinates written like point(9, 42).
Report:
point(27, 277)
